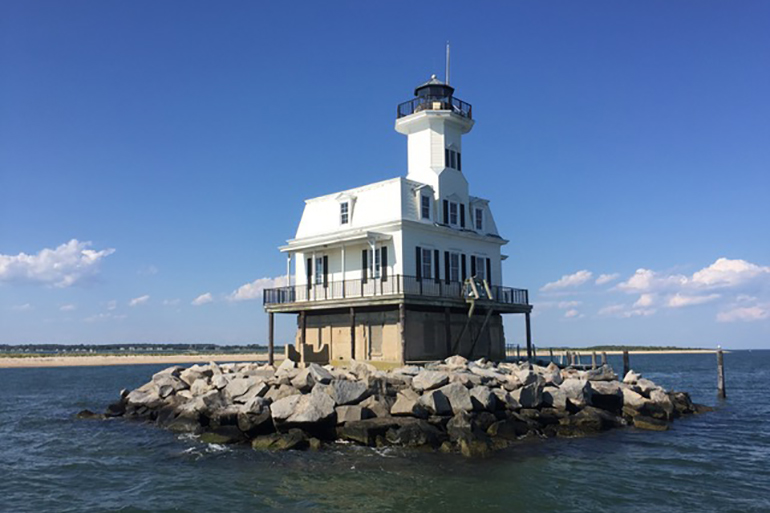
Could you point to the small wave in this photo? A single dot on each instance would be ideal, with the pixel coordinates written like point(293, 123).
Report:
point(217, 448)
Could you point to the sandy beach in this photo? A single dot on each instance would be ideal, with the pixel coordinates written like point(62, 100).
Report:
point(97, 360)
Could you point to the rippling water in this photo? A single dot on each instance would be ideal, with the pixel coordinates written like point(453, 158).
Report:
point(49, 461)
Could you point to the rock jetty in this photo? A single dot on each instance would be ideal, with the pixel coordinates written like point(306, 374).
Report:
point(471, 407)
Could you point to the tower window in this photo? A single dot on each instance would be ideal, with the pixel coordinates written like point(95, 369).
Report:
point(452, 159)
point(425, 206)
point(453, 213)
point(344, 213)
point(479, 219)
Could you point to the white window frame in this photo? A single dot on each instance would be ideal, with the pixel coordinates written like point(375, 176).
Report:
point(425, 198)
point(481, 267)
point(375, 263)
point(454, 210)
point(345, 212)
point(479, 218)
point(427, 263)
point(454, 267)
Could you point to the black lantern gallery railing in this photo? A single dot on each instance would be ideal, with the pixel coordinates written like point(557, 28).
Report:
point(392, 285)
point(449, 103)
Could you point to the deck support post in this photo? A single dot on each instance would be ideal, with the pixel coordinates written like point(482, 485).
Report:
point(448, 331)
point(593, 360)
point(529, 336)
point(402, 330)
point(302, 335)
point(604, 359)
point(626, 364)
point(270, 334)
point(352, 333)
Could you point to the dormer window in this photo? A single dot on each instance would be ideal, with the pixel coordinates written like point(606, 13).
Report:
point(344, 212)
point(453, 213)
point(479, 219)
point(424, 206)
point(452, 159)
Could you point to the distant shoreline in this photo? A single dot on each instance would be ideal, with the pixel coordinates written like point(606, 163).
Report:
point(107, 360)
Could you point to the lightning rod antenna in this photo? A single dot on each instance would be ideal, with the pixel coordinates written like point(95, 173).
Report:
point(446, 76)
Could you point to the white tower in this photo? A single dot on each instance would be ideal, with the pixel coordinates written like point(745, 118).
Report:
point(434, 123)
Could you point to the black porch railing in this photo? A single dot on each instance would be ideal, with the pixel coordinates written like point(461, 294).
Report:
point(421, 103)
point(392, 285)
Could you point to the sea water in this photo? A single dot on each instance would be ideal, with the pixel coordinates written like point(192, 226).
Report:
point(52, 462)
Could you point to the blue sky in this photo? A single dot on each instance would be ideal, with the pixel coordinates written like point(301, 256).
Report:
point(152, 153)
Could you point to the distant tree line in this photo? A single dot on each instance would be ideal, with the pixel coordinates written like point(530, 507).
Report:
point(130, 348)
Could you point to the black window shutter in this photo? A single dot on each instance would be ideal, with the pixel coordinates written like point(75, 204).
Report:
point(462, 216)
point(459, 162)
point(418, 260)
point(364, 265)
point(436, 273)
point(309, 272)
point(462, 267)
point(446, 212)
point(489, 270)
point(384, 263)
point(446, 267)
point(473, 265)
point(446, 157)
point(326, 271)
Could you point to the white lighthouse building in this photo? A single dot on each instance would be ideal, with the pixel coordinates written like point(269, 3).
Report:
point(381, 271)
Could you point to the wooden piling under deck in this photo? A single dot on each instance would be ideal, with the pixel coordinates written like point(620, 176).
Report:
point(270, 338)
point(721, 394)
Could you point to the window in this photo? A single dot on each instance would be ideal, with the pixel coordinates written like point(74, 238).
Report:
point(453, 213)
point(454, 267)
point(427, 268)
point(452, 159)
point(425, 206)
point(319, 270)
point(344, 213)
point(481, 268)
point(376, 263)
point(479, 219)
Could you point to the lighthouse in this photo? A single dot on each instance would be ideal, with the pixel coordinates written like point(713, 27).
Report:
point(406, 269)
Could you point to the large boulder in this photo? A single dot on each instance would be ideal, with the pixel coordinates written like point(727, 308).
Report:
point(280, 392)
point(577, 390)
point(293, 439)
point(375, 407)
point(146, 395)
point(456, 362)
point(631, 378)
point(459, 397)
point(257, 390)
point(319, 374)
point(313, 408)
point(254, 424)
point(414, 434)
point(350, 413)
point(529, 396)
point(429, 380)
point(345, 392)
point(237, 387)
point(555, 397)
point(366, 431)
point(168, 384)
point(436, 402)
point(483, 399)
point(650, 423)
point(408, 403)
point(602, 373)
point(196, 372)
point(506, 400)
point(607, 395)
point(508, 429)
point(303, 381)
point(200, 386)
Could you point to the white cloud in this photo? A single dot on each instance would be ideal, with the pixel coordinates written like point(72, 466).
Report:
point(170, 302)
point(645, 280)
point(623, 312)
point(22, 308)
point(104, 317)
point(569, 304)
point(611, 310)
point(644, 301)
point(62, 267)
point(572, 314)
point(679, 300)
point(253, 290)
point(203, 299)
point(568, 280)
point(729, 273)
point(139, 300)
point(147, 271)
point(112, 305)
point(606, 278)
point(68, 308)
point(745, 314)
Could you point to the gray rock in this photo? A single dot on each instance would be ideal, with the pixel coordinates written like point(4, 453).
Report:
point(529, 396)
point(219, 381)
point(486, 372)
point(555, 397)
point(303, 409)
point(200, 387)
point(429, 380)
point(285, 366)
point(632, 399)
point(577, 390)
point(169, 371)
point(294, 439)
point(663, 401)
point(650, 423)
point(280, 392)
point(602, 373)
point(409, 370)
point(466, 379)
point(375, 407)
point(303, 381)
point(362, 369)
point(459, 397)
point(349, 413)
point(506, 400)
point(631, 378)
point(366, 431)
point(195, 373)
point(408, 403)
point(483, 399)
point(456, 362)
point(255, 423)
point(255, 405)
point(146, 395)
point(435, 402)
point(347, 392)
point(237, 387)
point(606, 395)
point(414, 434)
point(257, 389)
point(319, 374)
point(168, 384)
point(645, 386)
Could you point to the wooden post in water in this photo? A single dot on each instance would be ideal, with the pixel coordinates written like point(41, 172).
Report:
point(402, 330)
point(529, 336)
point(720, 374)
point(518, 352)
point(352, 333)
point(534, 352)
point(270, 333)
point(593, 360)
point(302, 336)
point(550, 352)
point(626, 364)
point(604, 359)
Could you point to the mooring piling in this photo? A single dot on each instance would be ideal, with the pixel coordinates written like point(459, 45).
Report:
point(550, 352)
point(604, 359)
point(593, 360)
point(720, 374)
point(626, 364)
